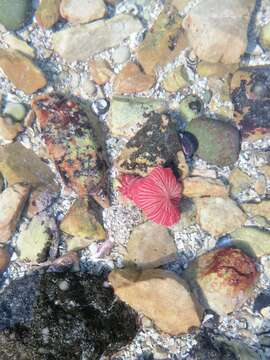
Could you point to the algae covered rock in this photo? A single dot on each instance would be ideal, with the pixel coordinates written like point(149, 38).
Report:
point(14, 13)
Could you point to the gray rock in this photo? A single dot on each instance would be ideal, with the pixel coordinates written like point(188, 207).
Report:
point(13, 13)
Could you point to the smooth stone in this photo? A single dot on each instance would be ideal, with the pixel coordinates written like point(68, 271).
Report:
point(258, 209)
point(157, 48)
point(206, 69)
point(8, 129)
point(252, 240)
point(34, 240)
point(81, 222)
point(131, 79)
point(190, 108)
point(83, 11)
point(16, 43)
point(217, 32)
point(4, 259)
point(14, 13)
point(48, 13)
point(175, 79)
point(222, 280)
point(16, 110)
point(264, 37)
point(100, 70)
point(180, 4)
point(128, 115)
point(260, 185)
point(83, 41)
point(188, 215)
point(150, 245)
point(201, 186)
point(21, 71)
point(182, 167)
point(121, 55)
point(219, 141)
point(39, 200)
point(12, 201)
point(219, 216)
point(239, 181)
point(160, 295)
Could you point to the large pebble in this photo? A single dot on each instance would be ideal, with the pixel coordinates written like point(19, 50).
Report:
point(16, 110)
point(201, 186)
point(121, 55)
point(83, 11)
point(48, 13)
point(8, 129)
point(15, 43)
point(4, 259)
point(100, 70)
point(265, 36)
point(14, 13)
point(258, 209)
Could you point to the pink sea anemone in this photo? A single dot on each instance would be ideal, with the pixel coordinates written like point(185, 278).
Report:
point(157, 195)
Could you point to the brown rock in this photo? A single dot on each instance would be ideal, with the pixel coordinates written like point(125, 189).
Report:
point(258, 209)
point(21, 71)
point(206, 69)
point(131, 79)
point(48, 13)
point(9, 129)
point(83, 11)
point(100, 71)
point(239, 181)
point(4, 259)
point(150, 245)
point(182, 164)
point(12, 201)
point(219, 216)
point(159, 295)
point(199, 187)
point(222, 279)
point(39, 200)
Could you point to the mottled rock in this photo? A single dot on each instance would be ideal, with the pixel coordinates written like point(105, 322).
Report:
point(180, 4)
point(175, 79)
point(48, 13)
point(206, 69)
point(159, 295)
point(190, 108)
point(4, 259)
point(222, 279)
point(264, 37)
point(66, 313)
point(219, 141)
point(183, 167)
point(19, 164)
point(82, 12)
point(16, 110)
point(157, 143)
point(81, 222)
point(219, 216)
point(150, 245)
point(258, 209)
point(34, 240)
point(121, 55)
point(39, 200)
point(100, 70)
point(239, 181)
point(8, 129)
point(188, 215)
point(12, 201)
point(163, 43)
point(128, 115)
point(83, 41)
point(15, 43)
point(200, 186)
point(71, 136)
point(21, 71)
point(131, 79)
point(252, 240)
point(217, 32)
point(14, 13)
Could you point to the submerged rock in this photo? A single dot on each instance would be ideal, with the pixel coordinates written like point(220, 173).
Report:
point(258, 209)
point(8, 129)
point(100, 70)
point(198, 186)
point(265, 36)
point(4, 259)
point(14, 13)
point(222, 279)
point(82, 12)
point(71, 140)
point(239, 181)
point(175, 79)
point(48, 13)
point(59, 315)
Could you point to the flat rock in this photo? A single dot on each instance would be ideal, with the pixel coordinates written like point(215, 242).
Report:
point(21, 71)
point(223, 279)
point(264, 37)
point(15, 43)
point(190, 107)
point(206, 69)
point(14, 13)
point(12, 201)
point(252, 240)
point(82, 12)
point(157, 143)
point(19, 164)
point(128, 115)
point(15, 110)
point(239, 181)
point(4, 259)
point(150, 245)
point(197, 186)
point(175, 79)
point(83, 41)
point(40, 199)
point(121, 55)
point(81, 222)
point(188, 215)
point(131, 79)
point(9, 129)
point(159, 295)
point(163, 42)
point(48, 13)
point(258, 209)
point(219, 216)
point(72, 137)
point(219, 141)
point(217, 32)
point(100, 70)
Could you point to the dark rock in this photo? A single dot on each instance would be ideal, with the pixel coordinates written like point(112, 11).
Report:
point(62, 316)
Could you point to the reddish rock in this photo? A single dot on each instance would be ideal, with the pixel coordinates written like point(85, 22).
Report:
point(4, 259)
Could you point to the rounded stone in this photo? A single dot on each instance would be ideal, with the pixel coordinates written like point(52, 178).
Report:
point(121, 55)
point(4, 259)
point(219, 141)
point(14, 13)
point(16, 110)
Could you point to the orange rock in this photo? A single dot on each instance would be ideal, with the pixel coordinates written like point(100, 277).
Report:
point(4, 259)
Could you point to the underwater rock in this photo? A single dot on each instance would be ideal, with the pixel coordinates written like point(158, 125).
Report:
point(175, 79)
point(4, 259)
point(14, 13)
point(190, 108)
point(59, 315)
point(9, 129)
point(264, 37)
point(258, 209)
point(83, 11)
point(48, 13)
point(239, 181)
point(198, 186)
point(72, 139)
point(100, 70)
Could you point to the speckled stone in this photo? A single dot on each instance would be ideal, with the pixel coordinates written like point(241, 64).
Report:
point(48, 13)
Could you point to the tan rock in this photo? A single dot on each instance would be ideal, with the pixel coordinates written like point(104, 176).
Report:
point(48, 13)
point(208, 173)
point(265, 169)
point(39, 200)
point(16, 43)
point(199, 187)
point(150, 245)
point(4, 259)
point(188, 215)
point(219, 216)
point(206, 69)
point(9, 129)
point(12, 201)
point(260, 185)
point(100, 70)
point(21, 71)
point(239, 181)
point(131, 79)
point(175, 79)
point(182, 165)
point(180, 4)
point(258, 209)
point(83, 11)
point(159, 295)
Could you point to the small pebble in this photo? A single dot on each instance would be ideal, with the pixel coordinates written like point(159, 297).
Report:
point(88, 87)
point(121, 55)
point(63, 285)
point(100, 106)
point(16, 110)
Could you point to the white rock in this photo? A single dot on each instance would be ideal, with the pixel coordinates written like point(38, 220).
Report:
point(121, 55)
point(83, 11)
